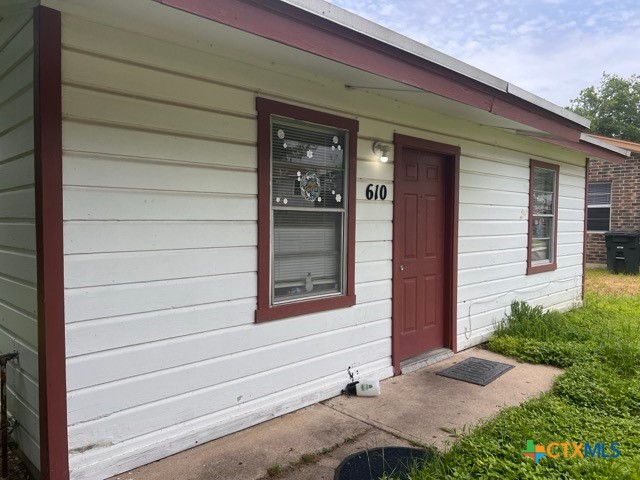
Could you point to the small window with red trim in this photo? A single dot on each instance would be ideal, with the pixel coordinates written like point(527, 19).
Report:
point(306, 219)
point(543, 216)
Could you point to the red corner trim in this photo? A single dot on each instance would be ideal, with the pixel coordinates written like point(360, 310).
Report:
point(292, 26)
point(585, 235)
point(453, 253)
point(548, 266)
point(54, 460)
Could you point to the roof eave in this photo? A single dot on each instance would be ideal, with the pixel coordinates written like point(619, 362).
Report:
point(371, 29)
point(585, 137)
point(594, 150)
point(633, 147)
point(321, 29)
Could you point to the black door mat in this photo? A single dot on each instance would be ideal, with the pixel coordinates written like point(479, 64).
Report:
point(476, 370)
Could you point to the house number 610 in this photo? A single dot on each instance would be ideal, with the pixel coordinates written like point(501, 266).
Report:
point(375, 192)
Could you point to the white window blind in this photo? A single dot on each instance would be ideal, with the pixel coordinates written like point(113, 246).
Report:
point(599, 207)
point(308, 210)
point(599, 194)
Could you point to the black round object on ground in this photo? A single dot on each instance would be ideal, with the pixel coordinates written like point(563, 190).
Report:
point(374, 463)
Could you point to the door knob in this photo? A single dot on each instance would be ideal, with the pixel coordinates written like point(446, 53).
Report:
point(401, 267)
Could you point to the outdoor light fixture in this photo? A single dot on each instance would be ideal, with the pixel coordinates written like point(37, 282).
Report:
point(383, 150)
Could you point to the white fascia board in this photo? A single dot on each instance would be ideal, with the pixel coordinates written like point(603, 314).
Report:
point(366, 27)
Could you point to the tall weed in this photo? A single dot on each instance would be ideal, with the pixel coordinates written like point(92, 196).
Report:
point(597, 398)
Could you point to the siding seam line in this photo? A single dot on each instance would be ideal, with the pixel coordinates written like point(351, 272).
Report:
point(17, 188)
point(16, 94)
point(11, 306)
point(15, 126)
point(147, 312)
point(523, 276)
point(71, 84)
point(21, 282)
point(17, 32)
point(18, 251)
point(15, 64)
point(137, 189)
point(157, 130)
point(16, 157)
point(171, 161)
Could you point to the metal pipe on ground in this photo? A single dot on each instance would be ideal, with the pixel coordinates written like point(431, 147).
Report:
point(4, 358)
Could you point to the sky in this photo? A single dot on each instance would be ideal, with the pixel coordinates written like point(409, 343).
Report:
point(552, 48)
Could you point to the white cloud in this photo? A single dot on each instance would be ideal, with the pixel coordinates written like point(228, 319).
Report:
point(565, 68)
point(498, 27)
point(552, 48)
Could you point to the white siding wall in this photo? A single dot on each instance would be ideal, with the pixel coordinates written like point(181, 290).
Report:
point(160, 232)
point(493, 229)
point(18, 301)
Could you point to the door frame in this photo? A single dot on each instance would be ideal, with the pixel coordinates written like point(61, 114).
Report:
point(451, 239)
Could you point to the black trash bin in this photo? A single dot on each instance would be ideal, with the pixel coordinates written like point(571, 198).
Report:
point(623, 252)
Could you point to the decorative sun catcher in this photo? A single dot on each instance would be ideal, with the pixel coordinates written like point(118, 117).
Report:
point(313, 160)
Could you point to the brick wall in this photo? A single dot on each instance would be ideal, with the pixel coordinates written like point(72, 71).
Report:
point(625, 201)
point(596, 250)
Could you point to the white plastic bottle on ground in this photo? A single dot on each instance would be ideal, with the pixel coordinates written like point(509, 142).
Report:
point(363, 388)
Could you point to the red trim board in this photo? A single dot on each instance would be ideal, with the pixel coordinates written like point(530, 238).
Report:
point(585, 234)
point(54, 460)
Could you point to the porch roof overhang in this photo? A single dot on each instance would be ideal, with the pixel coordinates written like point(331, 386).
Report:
point(323, 29)
point(321, 39)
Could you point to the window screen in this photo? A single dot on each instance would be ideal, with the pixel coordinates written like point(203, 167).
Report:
point(308, 209)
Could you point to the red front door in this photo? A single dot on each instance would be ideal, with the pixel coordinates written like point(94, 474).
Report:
point(419, 264)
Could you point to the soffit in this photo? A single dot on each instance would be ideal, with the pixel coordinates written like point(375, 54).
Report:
point(154, 19)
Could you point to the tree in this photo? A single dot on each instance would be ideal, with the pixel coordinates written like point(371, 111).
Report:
point(613, 107)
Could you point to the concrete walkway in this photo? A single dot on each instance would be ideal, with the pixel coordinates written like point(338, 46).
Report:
point(310, 443)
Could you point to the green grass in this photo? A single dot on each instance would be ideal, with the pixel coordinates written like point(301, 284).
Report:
point(606, 330)
point(274, 471)
point(596, 399)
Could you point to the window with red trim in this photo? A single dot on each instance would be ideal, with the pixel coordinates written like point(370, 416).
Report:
point(306, 210)
point(543, 217)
